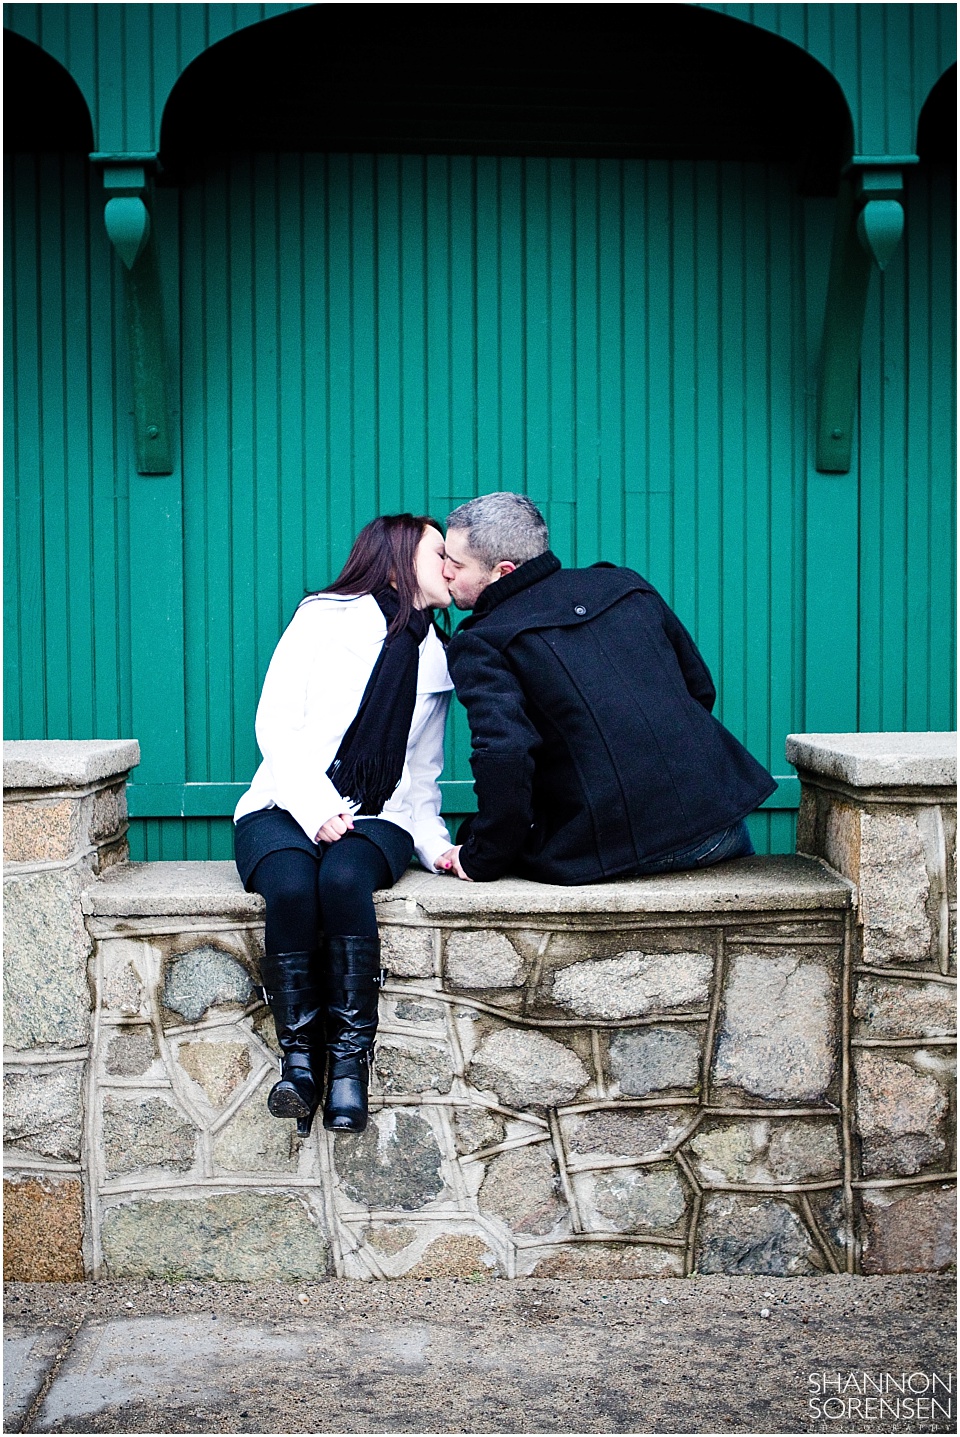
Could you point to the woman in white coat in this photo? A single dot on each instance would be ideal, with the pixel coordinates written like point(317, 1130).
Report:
point(350, 724)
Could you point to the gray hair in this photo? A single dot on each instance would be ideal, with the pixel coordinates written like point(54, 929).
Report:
point(501, 526)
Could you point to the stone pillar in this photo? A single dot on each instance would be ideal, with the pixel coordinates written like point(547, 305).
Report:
point(881, 809)
point(64, 821)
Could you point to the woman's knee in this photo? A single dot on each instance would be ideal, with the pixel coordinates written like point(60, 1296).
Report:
point(353, 865)
point(286, 884)
point(348, 876)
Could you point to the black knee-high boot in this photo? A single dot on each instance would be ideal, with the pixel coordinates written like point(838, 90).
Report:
point(291, 984)
point(353, 980)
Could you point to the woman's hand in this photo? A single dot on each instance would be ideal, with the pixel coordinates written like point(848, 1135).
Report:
point(334, 828)
point(449, 862)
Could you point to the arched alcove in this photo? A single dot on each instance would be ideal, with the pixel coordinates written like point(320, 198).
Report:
point(43, 108)
point(937, 129)
point(651, 81)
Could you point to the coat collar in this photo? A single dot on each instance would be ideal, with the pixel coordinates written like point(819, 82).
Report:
point(521, 578)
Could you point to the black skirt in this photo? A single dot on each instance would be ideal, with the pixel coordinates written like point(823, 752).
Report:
point(269, 830)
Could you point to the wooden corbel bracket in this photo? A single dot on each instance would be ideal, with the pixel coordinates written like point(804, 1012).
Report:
point(867, 229)
point(128, 223)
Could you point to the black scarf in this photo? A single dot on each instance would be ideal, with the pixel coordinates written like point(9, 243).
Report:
point(369, 762)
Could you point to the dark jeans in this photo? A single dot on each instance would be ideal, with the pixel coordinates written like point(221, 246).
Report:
point(732, 842)
point(333, 892)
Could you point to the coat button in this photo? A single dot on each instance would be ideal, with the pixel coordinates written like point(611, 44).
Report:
point(579, 609)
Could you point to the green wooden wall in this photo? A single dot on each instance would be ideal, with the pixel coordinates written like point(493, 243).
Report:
point(67, 466)
point(633, 343)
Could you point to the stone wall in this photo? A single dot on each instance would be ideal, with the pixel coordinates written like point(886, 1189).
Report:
point(882, 810)
point(690, 1073)
point(622, 1080)
point(64, 822)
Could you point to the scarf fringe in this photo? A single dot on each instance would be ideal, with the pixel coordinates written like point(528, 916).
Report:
point(364, 781)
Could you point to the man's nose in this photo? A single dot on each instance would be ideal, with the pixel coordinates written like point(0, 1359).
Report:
point(448, 570)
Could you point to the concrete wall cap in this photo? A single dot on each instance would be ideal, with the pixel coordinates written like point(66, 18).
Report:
point(877, 760)
point(182, 890)
point(66, 763)
point(759, 884)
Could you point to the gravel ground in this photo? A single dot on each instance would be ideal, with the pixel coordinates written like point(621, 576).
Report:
point(713, 1354)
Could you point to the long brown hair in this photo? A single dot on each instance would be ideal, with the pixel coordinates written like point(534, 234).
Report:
point(383, 554)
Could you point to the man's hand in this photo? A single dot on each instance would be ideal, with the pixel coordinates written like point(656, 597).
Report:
point(334, 828)
point(449, 862)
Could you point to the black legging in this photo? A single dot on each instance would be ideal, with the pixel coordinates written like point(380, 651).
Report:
point(335, 892)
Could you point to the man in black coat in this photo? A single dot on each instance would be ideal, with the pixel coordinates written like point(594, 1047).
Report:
point(595, 754)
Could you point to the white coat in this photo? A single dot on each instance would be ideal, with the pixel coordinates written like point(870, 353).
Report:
point(310, 697)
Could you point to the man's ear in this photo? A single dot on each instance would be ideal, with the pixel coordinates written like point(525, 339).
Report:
point(505, 566)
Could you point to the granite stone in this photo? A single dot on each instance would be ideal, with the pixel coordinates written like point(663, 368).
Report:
point(629, 1132)
point(834, 830)
point(218, 1067)
point(108, 812)
point(477, 1128)
point(411, 1068)
point(236, 1237)
point(646, 1199)
point(742, 1235)
point(204, 978)
point(41, 832)
point(145, 1132)
point(130, 1052)
point(909, 1231)
point(413, 1010)
point(46, 995)
point(395, 1163)
point(483, 959)
point(725, 1152)
point(894, 889)
point(610, 1262)
point(653, 1060)
point(777, 1033)
point(407, 952)
point(41, 1111)
point(526, 1068)
point(254, 1141)
point(804, 1151)
point(634, 984)
point(42, 1230)
point(389, 1238)
point(122, 990)
point(899, 1114)
point(462, 1255)
point(889, 1008)
point(521, 1187)
point(762, 1150)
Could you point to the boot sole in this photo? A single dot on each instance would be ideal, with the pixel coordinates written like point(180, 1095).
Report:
point(285, 1102)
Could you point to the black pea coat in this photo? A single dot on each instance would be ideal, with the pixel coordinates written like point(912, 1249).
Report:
point(594, 748)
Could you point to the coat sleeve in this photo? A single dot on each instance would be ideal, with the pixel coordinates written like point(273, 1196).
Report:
point(696, 675)
point(504, 743)
point(299, 745)
point(425, 764)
